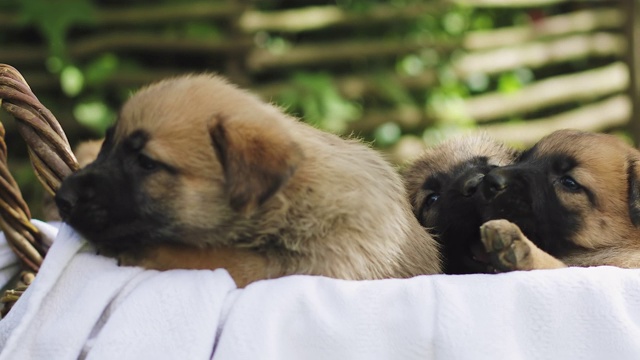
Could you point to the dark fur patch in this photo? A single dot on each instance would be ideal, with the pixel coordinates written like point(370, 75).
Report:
point(529, 201)
point(454, 217)
point(634, 193)
point(136, 140)
point(105, 201)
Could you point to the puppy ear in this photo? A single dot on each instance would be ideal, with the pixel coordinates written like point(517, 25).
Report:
point(258, 158)
point(633, 180)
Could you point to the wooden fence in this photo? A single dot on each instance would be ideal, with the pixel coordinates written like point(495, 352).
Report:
point(579, 53)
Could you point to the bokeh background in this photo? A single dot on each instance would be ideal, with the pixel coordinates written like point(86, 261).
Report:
point(401, 74)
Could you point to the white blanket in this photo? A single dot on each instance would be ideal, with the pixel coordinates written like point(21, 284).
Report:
point(83, 305)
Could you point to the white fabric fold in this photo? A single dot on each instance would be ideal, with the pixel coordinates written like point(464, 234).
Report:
point(575, 313)
point(85, 306)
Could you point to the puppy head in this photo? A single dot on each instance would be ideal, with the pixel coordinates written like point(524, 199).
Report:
point(441, 185)
point(571, 190)
point(187, 159)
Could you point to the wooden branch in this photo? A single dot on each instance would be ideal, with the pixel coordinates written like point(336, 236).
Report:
point(582, 86)
point(292, 20)
point(99, 44)
point(166, 13)
point(146, 15)
point(603, 115)
point(24, 54)
point(632, 32)
point(45, 81)
point(541, 53)
point(350, 86)
point(319, 17)
point(517, 3)
point(406, 149)
point(305, 55)
point(358, 86)
point(407, 117)
point(258, 60)
point(575, 22)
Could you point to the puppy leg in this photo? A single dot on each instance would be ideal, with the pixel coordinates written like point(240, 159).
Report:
point(244, 266)
point(511, 250)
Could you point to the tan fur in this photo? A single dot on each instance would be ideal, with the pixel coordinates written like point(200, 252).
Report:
point(607, 235)
point(603, 167)
point(244, 265)
point(603, 162)
point(87, 151)
point(256, 185)
point(511, 250)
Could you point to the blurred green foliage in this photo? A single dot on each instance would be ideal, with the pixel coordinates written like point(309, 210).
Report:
point(311, 95)
point(315, 97)
point(86, 93)
point(54, 18)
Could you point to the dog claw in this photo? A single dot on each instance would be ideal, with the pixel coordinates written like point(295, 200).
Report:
point(507, 245)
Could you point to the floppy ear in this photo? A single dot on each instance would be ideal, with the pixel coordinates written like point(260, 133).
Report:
point(258, 159)
point(633, 180)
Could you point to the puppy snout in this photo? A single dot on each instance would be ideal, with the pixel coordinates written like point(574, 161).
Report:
point(65, 205)
point(494, 183)
point(74, 189)
point(470, 184)
point(66, 198)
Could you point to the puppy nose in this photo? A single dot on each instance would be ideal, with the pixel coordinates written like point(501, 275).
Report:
point(493, 183)
point(65, 200)
point(470, 185)
point(75, 188)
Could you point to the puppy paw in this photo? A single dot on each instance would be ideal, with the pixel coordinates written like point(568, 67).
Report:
point(507, 246)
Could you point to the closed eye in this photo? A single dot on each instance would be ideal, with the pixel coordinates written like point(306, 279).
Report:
point(147, 163)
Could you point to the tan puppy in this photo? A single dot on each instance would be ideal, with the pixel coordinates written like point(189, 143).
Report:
point(199, 174)
point(576, 197)
point(441, 185)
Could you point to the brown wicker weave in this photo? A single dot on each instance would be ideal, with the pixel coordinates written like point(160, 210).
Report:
point(52, 160)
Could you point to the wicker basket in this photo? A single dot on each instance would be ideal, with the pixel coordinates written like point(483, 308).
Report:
point(52, 160)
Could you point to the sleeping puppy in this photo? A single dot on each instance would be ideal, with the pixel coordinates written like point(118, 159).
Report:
point(199, 174)
point(441, 185)
point(575, 196)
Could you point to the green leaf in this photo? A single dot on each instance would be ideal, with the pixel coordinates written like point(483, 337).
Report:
point(388, 134)
point(55, 17)
point(95, 115)
point(509, 83)
point(316, 99)
point(199, 30)
point(71, 81)
point(100, 69)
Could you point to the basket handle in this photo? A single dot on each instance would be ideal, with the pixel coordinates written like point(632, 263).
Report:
point(51, 158)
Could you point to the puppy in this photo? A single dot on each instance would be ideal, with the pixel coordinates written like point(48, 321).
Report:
point(441, 185)
point(199, 174)
point(573, 199)
point(85, 152)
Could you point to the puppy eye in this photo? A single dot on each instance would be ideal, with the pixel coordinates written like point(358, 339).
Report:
point(147, 163)
point(569, 183)
point(430, 200)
